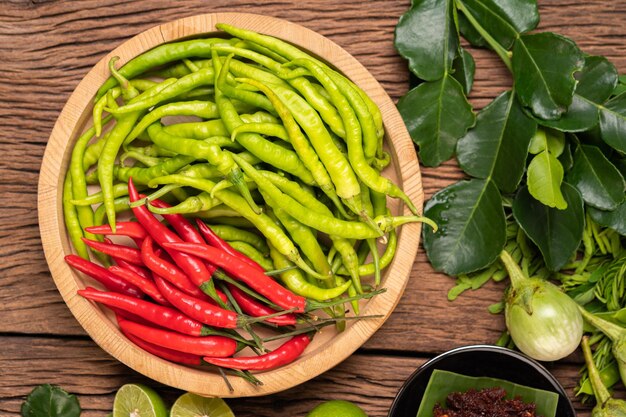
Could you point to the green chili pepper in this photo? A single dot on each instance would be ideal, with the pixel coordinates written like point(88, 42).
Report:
point(119, 204)
point(202, 109)
point(267, 129)
point(187, 83)
point(162, 55)
point(323, 223)
point(93, 151)
point(72, 223)
point(302, 146)
point(252, 253)
point(304, 237)
point(295, 281)
point(119, 190)
point(203, 150)
point(79, 182)
point(197, 130)
point(291, 52)
point(144, 175)
point(113, 144)
point(193, 204)
point(355, 130)
point(312, 95)
point(231, 233)
point(263, 149)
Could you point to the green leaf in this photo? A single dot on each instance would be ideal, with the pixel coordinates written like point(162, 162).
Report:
point(539, 142)
point(599, 182)
point(613, 122)
point(596, 81)
point(472, 227)
point(545, 175)
point(547, 139)
point(620, 164)
point(436, 114)
point(50, 401)
point(426, 37)
point(581, 115)
point(614, 219)
point(470, 33)
point(442, 383)
point(504, 20)
point(543, 67)
point(619, 89)
point(557, 233)
point(464, 68)
point(593, 137)
point(496, 147)
point(566, 158)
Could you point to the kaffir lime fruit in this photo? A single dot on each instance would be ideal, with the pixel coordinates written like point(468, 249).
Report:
point(337, 408)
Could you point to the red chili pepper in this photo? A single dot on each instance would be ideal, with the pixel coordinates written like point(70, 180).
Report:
point(165, 353)
point(193, 267)
point(129, 316)
point(214, 240)
point(139, 270)
point(130, 229)
point(161, 316)
point(182, 226)
point(147, 286)
point(284, 354)
point(213, 346)
point(197, 309)
point(126, 253)
point(255, 308)
point(166, 269)
point(111, 281)
point(254, 278)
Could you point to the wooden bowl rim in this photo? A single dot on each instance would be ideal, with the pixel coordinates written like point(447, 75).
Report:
point(56, 242)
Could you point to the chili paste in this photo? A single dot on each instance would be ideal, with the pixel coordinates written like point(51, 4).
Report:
point(488, 402)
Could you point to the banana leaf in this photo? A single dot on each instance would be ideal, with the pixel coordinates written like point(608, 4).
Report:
point(442, 383)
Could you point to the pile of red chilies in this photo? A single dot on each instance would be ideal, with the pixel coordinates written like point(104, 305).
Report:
point(180, 322)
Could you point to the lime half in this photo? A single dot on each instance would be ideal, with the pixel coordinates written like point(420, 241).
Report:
point(192, 405)
point(134, 400)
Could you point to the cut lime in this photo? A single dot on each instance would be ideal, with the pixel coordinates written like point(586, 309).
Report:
point(134, 400)
point(337, 408)
point(192, 405)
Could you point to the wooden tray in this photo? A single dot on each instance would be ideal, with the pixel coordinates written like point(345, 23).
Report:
point(328, 348)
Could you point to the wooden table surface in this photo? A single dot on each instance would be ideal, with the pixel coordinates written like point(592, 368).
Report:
point(46, 47)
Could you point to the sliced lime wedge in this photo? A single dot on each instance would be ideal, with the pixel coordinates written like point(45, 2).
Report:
point(192, 405)
point(134, 400)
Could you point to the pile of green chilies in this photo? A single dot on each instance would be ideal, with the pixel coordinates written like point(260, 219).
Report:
point(281, 154)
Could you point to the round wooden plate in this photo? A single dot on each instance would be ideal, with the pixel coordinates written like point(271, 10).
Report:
point(328, 348)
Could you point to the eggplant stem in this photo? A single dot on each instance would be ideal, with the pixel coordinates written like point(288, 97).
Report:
point(599, 390)
point(613, 331)
point(515, 273)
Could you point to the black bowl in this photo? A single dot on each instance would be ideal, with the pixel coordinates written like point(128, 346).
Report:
point(480, 360)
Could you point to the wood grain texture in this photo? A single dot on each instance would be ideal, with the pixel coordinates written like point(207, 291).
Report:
point(370, 380)
point(46, 47)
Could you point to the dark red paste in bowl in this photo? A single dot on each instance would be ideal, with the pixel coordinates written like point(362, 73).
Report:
point(488, 402)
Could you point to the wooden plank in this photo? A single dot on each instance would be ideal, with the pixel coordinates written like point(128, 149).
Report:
point(82, 368)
